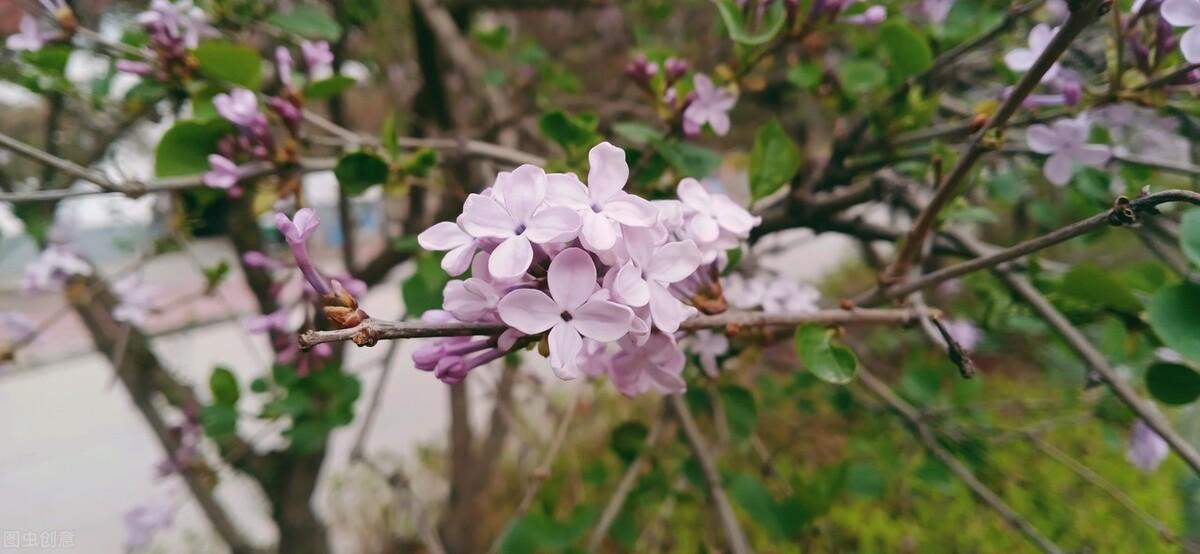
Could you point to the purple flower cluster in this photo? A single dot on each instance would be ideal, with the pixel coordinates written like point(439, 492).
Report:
point(604, 277)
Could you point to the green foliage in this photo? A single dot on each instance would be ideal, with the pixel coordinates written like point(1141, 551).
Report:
point(423, 291)
point(537, 532)
point(825, 359)
point(185, 147)
point(628, 440)
point(235, 63)
point(358, 171)
point(739, 29)
point(1095, 285)
point(315, 403)
point(224, 386)
point(906, 48)
point(1189, 235)
point(805, 75)
point(861, 76)
point(774, 160)
point(307, 22)
point(637, 133)
point(1174, 384)
point(576, 134)
point(690, 160)
point(1175, 317)
point(327, 88)
point(741, 411)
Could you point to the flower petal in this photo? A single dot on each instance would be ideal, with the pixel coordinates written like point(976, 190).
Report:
point(598, 232)
point(694, 196)
point(631, 210)
point(571, 278)
point(529, 311)
point(1020, 59)
point(608, 172)
point(1093, 155)
point(602, 320)
point(457, 260)
point(733, 217)
point(1058, 169)
point(565, 344)
point(444, 235)
point(629, 287)
point(1181, 13)
point(523, 191)
point(719, 120)
point(553, 224)
point(703, 228)
point(1190, 44)
point(483, 216)
point(666, 310)
point(1041, 139)
point(565, 189)
point(673, 262)
point(511, 259)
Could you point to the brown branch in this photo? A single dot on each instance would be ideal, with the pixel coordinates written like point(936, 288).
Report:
point(927, 437)
point(712, 477)
point(1082, 16)
point(373, 330)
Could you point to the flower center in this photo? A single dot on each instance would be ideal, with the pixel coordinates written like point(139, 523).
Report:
point(566, 316)
point(520, 229)
point(595, 208)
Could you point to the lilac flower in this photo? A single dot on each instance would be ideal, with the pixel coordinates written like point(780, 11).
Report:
point(222, 173)
point(515, 215)
point(1146, 448)
point(873, 15)
point(676, 68)
point(30, 37)
point(783, 295)
point(713, 217)
point(54, 266)
point(709, 105)
point(641, 70)
point(284, 64)
point(1022, 59)
point(17, 328)
point(288, 112)
point(603, 204)
point(136, 300)
point(707, 346)
point(180, 20)
point(240, 107)
point(267, 323)
point(254, 258)
point(318, 58)
point(449, 236)
point(1185, 13)
point(651, 269)
point(145, 521)
point(132, 67)
point(1065, 141)
point(931, 11)
point(296, 231)
point(656, 365)
point(964, 332)
point(569, 312)
point(473, 299)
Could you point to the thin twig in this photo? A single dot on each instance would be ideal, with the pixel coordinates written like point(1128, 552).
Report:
point(926, 436)
point(712, 478)
point(374, 330)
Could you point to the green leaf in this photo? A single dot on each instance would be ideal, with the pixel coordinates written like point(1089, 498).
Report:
point(358, 171)
point(628, 439)
point(307, 436)
point(740, 410)
point(805, 75)
point(1174, 384)
point(420, 162)
point(307, 22)
point(259, 385)
point(52, 59)
point(1093, 284)
point(423, 291)
point(224, 386)
point(387, 136)
point(184, 148)
point(327, 88)
point(219, 420)
point(861, 76)
point(1175, 317)
point(774, 160)
point(752, 495)
point(830, 362)
point(864, 480)
point(908, 50)
point(637, 133)
point(226, 61)
point(570, 132)
point(1189, 235)
point(688, 159)
point(770, 25)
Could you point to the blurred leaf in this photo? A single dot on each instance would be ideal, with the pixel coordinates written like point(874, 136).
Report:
point(307, 436)
point(185, 147)
point(774, 160)
point(752, 495)
point(259, 385)
point(1174, 384)
point(864, 480)
point(740, 410)
point(423, 291)
point(219, 421)
point(215, 274)
point(387, 136)
point(688, 159)
point(328, 88)
point(1175, 317)
point(833, 363)
point(770, 25)
point(52, 58)
point(628, 439)
point(805, 75)
point(224, 386)
point(1093, 284)
point(570, 132)
point(908, 50)
point(420, 162)
point(307, 22)
point(637, 133)
point(494, 39)
point(861, 76)
point(1189, 235)
point(358, 171)
point(226, 61)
